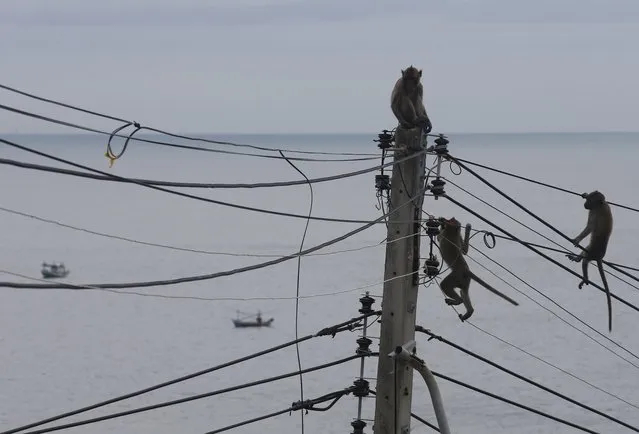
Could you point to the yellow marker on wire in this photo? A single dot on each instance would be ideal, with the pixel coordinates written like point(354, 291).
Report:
point(111, 157)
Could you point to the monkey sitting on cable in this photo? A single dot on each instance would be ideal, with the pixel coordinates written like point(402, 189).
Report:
point(407, 100)
point(452, 249)
point(599, 226)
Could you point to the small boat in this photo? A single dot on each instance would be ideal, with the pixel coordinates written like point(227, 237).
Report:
point(54, 271)
point(258, 322)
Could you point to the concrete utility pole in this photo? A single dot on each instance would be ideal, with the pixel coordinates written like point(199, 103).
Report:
point(394, 395)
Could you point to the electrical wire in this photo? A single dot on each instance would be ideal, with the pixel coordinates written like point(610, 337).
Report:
point(564, 371)
point(213, 275)
point(297, 285)
point(216, 299)
point(308, 405)
point(256, 419)
point(612, 341)
point(552, 249)
point(199, 139)
point(171, 145)
point(623, 266)
point(80, 174)
point(193, 397)
point(523, 378)
point(173, 192)
point(523, 208)
point(184, 249)
point(422, 420)
point(514, 403)
point(565, 251)
point(523, 178)
point(327, 331)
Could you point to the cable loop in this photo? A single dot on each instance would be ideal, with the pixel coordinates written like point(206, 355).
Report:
point(109, 152)
point(450, 165)
point(489, 239)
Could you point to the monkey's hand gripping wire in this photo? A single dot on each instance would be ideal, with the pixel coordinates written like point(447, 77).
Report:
point(109, 152)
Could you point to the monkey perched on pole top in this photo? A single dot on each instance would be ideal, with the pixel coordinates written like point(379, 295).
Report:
point(407, 100)
point(599, 227)
point(450, 245)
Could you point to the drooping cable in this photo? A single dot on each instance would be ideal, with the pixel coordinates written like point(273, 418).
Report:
point(184, 249)
point(214, 299)
point(297, 285)
point(212, 275)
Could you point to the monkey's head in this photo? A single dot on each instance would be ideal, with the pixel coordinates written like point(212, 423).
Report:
point(594, 200)
point(451, 224)
point(411, 77)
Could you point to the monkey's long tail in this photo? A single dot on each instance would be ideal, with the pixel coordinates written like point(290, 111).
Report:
point(605, 282)
point(491, 289)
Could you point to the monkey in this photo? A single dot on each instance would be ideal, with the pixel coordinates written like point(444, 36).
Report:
point(451, 247)
point(599, 227)
point(407, 100)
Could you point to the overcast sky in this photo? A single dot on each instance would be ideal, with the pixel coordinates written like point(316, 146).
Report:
point(324, 65)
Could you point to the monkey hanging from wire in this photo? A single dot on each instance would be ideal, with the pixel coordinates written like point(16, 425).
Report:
point(407, 101)
point(452, 250)
point(599, 227)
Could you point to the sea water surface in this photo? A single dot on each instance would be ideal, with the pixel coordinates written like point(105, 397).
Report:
point(65, 349)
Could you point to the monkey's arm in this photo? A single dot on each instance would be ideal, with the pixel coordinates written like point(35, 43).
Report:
point(420, 110)
point(422, 116)
point(398, 108)
point(587, 230)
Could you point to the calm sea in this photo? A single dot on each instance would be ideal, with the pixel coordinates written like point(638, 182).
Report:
point(61, 349)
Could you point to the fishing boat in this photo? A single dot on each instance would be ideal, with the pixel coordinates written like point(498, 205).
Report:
point(257, 322)
point(54, 271)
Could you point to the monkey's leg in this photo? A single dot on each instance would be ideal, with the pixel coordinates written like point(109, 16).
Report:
point(584, 272)
point(447, 286)
point(605, 283)
point(465, 295)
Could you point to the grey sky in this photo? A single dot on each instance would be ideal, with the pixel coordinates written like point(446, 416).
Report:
point(324, 65)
